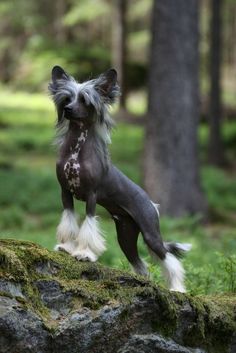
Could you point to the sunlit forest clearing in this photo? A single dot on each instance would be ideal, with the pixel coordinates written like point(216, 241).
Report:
point(30, 195)
point(176, 117)
point(117, 238)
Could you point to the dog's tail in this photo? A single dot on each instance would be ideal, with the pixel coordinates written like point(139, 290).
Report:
point(173, 270)
point(177, 249)
point(172, 267)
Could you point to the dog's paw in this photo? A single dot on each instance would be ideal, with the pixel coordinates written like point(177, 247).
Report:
point(65, 247)
point(84, 255)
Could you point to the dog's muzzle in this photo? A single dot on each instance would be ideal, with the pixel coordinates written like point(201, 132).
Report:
point(71, 113)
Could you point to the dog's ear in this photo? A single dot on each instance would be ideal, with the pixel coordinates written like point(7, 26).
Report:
point(59, 74)
point(107, 82)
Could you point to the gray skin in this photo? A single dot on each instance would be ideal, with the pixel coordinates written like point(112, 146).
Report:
point(101, 182)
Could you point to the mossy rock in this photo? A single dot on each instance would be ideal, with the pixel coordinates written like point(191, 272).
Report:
point(49, 302)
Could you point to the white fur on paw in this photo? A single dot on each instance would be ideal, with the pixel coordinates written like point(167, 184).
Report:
point(90, 236)
point(67, 229)
point(84, 255)
point(68, 247)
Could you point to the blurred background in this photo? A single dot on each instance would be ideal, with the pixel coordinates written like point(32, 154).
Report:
point(176, 121)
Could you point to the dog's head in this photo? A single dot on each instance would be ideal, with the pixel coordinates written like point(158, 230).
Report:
point(85, 101)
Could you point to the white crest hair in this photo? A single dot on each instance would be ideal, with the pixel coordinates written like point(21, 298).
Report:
point(61, 131)
point(64, 88)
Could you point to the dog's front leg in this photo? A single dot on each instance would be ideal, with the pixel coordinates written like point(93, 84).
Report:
point(90, 241)
point(67, 230)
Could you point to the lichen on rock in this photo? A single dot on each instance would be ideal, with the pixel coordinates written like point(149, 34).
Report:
point(49, 302)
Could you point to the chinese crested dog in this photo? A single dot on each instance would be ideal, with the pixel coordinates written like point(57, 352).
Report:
point(85, 172)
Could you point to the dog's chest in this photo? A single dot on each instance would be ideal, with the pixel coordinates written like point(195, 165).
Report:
point(72, 165)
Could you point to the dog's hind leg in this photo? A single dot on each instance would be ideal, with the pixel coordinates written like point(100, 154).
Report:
point(172, 268)
point(127, 233)
point(68, 229)
point(90, 241)
point(165, 252)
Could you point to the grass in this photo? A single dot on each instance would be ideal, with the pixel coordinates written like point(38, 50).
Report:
point(30, 196)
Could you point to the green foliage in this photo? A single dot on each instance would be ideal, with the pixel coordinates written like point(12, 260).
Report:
point(220, 189)
point(36, 35)
point(140, 40)
point(215, 277)
point(227, 265)
point(35, 69)
point(139, 9)
point(83, 11)
point(13, 216)
point(229, 138)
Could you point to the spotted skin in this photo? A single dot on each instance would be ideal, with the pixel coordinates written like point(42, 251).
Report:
point(72, 165)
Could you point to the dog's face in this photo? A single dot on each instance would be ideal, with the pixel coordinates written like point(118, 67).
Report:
point(80, 101)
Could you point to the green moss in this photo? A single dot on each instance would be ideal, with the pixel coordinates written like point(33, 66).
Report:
point(196, 331)
point(92, 283)
point(11, 266)
point(220, 322)
point(211, 320)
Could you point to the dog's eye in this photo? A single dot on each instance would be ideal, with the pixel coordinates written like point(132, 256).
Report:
point(67, 100)
point(82, 99)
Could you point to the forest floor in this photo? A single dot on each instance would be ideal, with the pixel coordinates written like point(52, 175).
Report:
point(30, 196)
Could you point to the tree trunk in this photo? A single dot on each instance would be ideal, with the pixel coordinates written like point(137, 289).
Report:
point(171, 149)
point(59, 29)
point(216, 155)
point(119, 45)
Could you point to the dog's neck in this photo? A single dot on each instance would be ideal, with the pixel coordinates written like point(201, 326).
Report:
point(75, 138)
point(80, 135)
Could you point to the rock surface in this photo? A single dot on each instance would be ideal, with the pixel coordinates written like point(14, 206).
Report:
point(49, 302)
